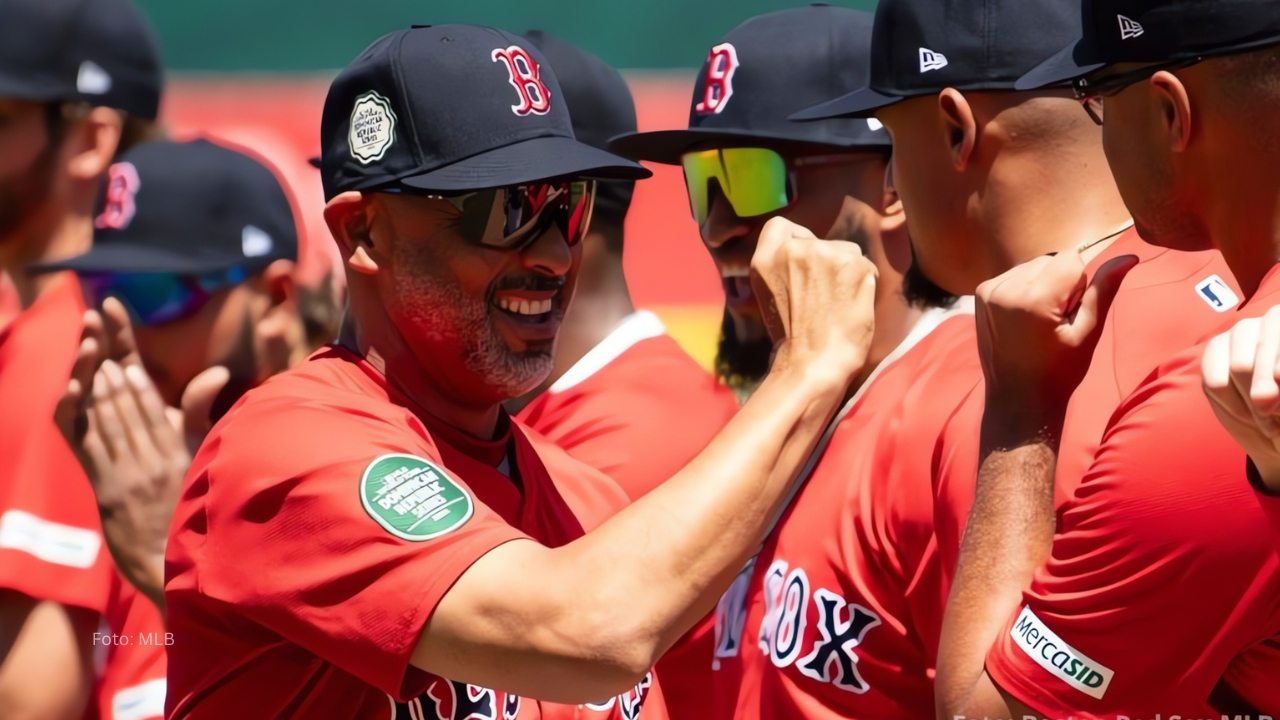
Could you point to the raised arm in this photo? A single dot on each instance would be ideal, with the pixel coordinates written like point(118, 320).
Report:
point(1037, 327)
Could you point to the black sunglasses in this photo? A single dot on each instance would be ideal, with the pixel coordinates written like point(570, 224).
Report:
point(511, 218)
point(1091, 93)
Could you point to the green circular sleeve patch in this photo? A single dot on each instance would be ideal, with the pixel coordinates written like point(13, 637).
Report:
point(413, 498)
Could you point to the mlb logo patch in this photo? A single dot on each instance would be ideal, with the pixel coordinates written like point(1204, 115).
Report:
point(1217, 294)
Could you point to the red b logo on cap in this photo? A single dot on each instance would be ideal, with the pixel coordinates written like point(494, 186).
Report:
point(120, 205)
point(523, 71)
point(721, 64)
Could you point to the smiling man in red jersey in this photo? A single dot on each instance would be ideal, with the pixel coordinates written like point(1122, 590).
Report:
point(1156, 590)
point(426, 555)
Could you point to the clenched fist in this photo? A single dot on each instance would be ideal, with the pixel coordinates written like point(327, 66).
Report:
point(1240, 369)
point(1038, 325)
point(817, 298)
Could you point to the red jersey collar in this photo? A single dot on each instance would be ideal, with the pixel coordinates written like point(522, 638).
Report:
point(1127, 243)
point(487, 451)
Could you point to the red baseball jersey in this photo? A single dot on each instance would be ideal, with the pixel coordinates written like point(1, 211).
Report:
point(1271, 506)
point(635, 407)
point(132, 644)
point(1167, 303)
point(840, 611)
point(50, 535)
point(638, 408)
point(1163, 573)
point(320, 524)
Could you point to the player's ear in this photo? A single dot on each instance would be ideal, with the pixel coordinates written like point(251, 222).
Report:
point(280, 333)
point(348, 218)
point(278, 284)
point(92, 139)
point(961, 128)
point(1175, 109)
point(892, 217)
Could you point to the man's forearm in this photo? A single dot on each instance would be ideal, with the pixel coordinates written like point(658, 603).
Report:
point(1009, 534)
point(688, 538)
point(585, 621)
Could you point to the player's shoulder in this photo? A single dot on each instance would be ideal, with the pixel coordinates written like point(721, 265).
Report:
point(941, 349)
point(1172, 386)
point(1164, 455)
point(38, 348)
point(326, 407)
point(1165, 275)
point(657, 362)
point(648, 382)
point(330, 377)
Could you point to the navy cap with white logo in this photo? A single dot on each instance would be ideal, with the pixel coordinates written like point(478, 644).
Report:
point(1152, 31)
point(188, 208)
point(762, 71)
point(600, 106)
point(101, 52)
point(921, 47)
point(452, 108)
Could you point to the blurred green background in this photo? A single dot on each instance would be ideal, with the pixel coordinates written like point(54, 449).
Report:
point(301, 35)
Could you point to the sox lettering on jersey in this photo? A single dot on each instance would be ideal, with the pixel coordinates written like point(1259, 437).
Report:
point(718, 88)
point(731, 615)
point(784, 618)
point(120, 202)
point(841, 627)
point(630, 703)
point(450, 700)
point(525, 76)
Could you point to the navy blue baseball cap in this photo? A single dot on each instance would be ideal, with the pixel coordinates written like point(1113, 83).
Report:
point(600, 107)
point(452, 108)
point(102, 52)
point(921, 47)
point(188, 208)
point(1152, 31)
point(762, 71)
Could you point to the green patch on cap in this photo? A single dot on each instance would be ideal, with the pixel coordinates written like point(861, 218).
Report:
point(413, 498)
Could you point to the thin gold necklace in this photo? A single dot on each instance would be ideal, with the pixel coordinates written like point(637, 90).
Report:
point(1104, 238)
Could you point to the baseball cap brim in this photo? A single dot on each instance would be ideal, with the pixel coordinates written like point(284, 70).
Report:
point(667, 146)
point(127, 257)
point(530, 160)
point(31, 89)
point(1062, 67)
point(859, 103)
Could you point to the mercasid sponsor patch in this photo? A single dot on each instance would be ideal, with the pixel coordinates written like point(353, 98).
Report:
point(1063, 661)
